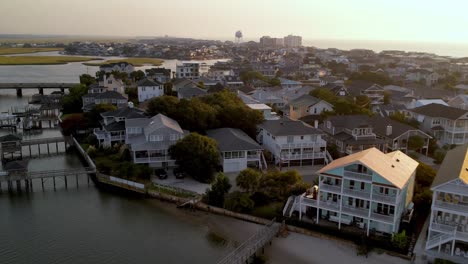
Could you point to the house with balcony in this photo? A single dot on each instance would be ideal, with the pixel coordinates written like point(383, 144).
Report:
point(188, 70)
point(148, 89)
point(374, 91)
point(449, 125)
point(293, 142)
point(238, 150)
point(117, 66)
point(306, 105)
point(107, 97)
point(149, 139)
point(368, 191)
point(352, 133)
point(448, 229)
point(112, 129)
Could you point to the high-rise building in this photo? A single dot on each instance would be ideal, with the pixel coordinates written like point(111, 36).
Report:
point(291, 41)
point(267, 41)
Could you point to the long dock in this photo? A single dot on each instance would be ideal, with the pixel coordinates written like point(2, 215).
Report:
point(249, 248)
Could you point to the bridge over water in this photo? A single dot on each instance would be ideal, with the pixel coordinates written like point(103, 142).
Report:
point(19, 87)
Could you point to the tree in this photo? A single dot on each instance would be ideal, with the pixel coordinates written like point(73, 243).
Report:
point(166, 105)
point(94, 115)
point(216, 194)
point(73, 102)
point(415, 142)
point(324, 94)
point(277, 185)
point(387, 97)
point(425, 174)
point(87, 79)
point(239, 202)
point(73, 122)
point(373, 77)
point(400, 117)
point(248, 180)
point(439, 156)
point(363, 101)
point(400, 240)
point(198, 155)
point(275, 82)
point(137, 75)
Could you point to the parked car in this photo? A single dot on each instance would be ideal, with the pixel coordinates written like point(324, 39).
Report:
point(179, 173)
point(161, 173)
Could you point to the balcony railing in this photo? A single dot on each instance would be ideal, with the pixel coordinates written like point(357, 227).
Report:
point(356, 211)
point(451, 206)
point(253, 157)
point(330, 205)
point(357, 193)
point(442, 228)
point(382, 217)
point(309, 202)
point(330, 188)
point(357, 176)
point(317, 144)
point(384, 198)
point(151, 159)
point(316, 155)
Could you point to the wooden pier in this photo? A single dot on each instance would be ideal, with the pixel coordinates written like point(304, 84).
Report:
point(249, 248)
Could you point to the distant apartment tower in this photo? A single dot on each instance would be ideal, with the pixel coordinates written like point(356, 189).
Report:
point(188, 70)
point(291, 41)
point(269, 42)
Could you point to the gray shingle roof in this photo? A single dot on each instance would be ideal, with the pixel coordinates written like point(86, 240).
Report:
point(189, 92)
point(148, 82)
point(161, 121)
point(454, 166)
point(232, 139)
point(305, 99)
point(288, 127)
point(127, 112)
point(115, 126)
point(438, 110)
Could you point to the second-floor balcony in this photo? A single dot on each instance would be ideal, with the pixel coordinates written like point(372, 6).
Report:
point(330, 205)
point(355, 211)
point(317, 144)
point(330, 188)
point(458, 207)
point(304, 155)
point(152, 159)
point(382, 217)
point(356, 193)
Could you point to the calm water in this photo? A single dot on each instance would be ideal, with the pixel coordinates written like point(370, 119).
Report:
point(87, 224)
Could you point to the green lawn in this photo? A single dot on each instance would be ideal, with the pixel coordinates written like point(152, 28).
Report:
point(8, 51)
point(41, 60)
point(135, 61)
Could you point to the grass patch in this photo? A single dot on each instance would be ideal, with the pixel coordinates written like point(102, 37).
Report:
point(268, 211)
point(8, 51)
point(41, 60)
point(135, 61)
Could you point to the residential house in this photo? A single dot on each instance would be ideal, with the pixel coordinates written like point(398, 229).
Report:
point(107, 97)
point(422, 102)
point(375, 92)
point(148, 89)
point(290, 84)
point(206, 82)
point(459, 101)
point(149, 139)
point(307, 105)
point(353, 133)
point(428, 77)
point(238, 150)
point(190, 92)
point(265, 109)
point(183, 82)
point(161, 75)
point(449, 125)
point(189, 70)
point(118, 66)
point(293, 142)
point(368, 190)
point(112, 84)
point(113, 125)
point(448, 227)
point(10, 147)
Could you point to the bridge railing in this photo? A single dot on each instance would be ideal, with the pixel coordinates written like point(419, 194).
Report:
point(24, 175)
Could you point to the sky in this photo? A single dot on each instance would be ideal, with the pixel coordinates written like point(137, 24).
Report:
point(396, 20)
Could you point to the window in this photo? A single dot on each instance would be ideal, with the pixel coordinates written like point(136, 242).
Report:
point(290, 139)
point(174, 137)
point(109, 81)
point(328, 124)
point(436, 121)
point(156, 138)
point(302, 137)
point(363, 185)
point(315, 110)
point(143, 89)
point(351, 184)
point(313, 138)
point(227, 155)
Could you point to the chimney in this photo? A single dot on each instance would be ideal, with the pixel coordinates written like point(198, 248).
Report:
point(316, 123)
point(389, 130)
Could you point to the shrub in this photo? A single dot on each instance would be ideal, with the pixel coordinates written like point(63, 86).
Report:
point(439, 156)
point(239, 202)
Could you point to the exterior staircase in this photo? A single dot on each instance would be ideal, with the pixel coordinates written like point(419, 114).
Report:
point(328, 157)
point(438, 240)
point(290, 205)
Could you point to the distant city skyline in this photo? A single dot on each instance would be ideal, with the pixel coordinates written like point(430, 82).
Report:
point(396, 20)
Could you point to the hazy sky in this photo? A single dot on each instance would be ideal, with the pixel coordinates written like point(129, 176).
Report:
point(401, 20)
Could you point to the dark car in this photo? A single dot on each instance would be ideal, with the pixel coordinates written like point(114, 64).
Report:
point(161, 173)
point(178, 173)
